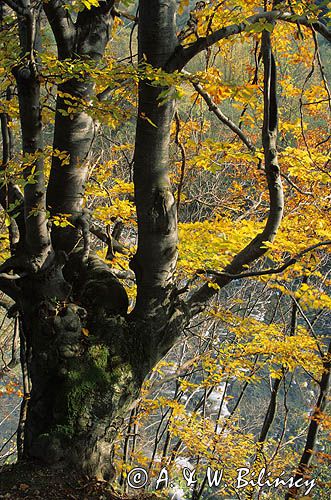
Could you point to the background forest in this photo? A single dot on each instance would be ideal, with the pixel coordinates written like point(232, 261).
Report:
point(246, 382)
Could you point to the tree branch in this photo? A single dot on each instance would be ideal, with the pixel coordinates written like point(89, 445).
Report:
point(155, 260)
point(275, 270)
point(62, 26)
point(75, 134)
point(16, 7)
point(126, 15)
point(294, 186)
point(314, 426)
point(182, 55)
point(113, 244)
point(212, 106)
point(181, 147)
point(11, 197)
point(256, 248)
point(28, 85)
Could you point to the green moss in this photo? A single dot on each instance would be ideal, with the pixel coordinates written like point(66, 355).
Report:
point(99, 355)
point(94, 384)
point(87, 380)
point(79, 401)
point(63, 432)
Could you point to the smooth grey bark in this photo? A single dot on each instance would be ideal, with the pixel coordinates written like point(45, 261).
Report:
point(81, 388)
point(155, 261)
point(86, 39)
point(182, 55)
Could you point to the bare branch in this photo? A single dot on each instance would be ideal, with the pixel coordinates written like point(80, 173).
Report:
point(113, 244)
point(181, 146)
point(314, 426)
point(16, 7)
point(10, 194)
point(125, 15)
point(83, 223)
point(212, 106)
point(12, 277)
point(123, 274)
point(291, 183)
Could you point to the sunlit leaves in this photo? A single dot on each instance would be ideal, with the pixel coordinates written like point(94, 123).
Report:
point(79, 5)
point(212, 244)
point(273, 347)
point(119, 208)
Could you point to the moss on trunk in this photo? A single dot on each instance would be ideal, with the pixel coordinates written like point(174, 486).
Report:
point(83, 378)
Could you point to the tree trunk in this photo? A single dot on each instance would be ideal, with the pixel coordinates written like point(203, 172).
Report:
point(75, 129)
point(83, 364)
point(155, 261)
point(91, 358)
point(37, 240)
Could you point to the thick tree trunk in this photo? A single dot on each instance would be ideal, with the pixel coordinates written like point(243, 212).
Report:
point(83, 365)
point(82, 357)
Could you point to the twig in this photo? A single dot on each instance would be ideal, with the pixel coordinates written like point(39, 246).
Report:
point(306, 193)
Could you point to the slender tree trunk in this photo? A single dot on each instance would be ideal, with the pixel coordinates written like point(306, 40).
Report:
point(304, 469)
point(11, 198)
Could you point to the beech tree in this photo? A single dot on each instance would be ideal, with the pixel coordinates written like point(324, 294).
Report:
point(84, 356)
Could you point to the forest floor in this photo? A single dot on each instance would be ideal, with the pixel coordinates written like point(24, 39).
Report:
point(36, 482)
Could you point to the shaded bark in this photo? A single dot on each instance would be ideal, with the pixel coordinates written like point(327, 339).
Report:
point(28, 86)
point(83, 365)
point(11, 198)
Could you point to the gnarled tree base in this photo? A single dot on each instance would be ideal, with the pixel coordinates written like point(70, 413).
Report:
point(80, 361)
